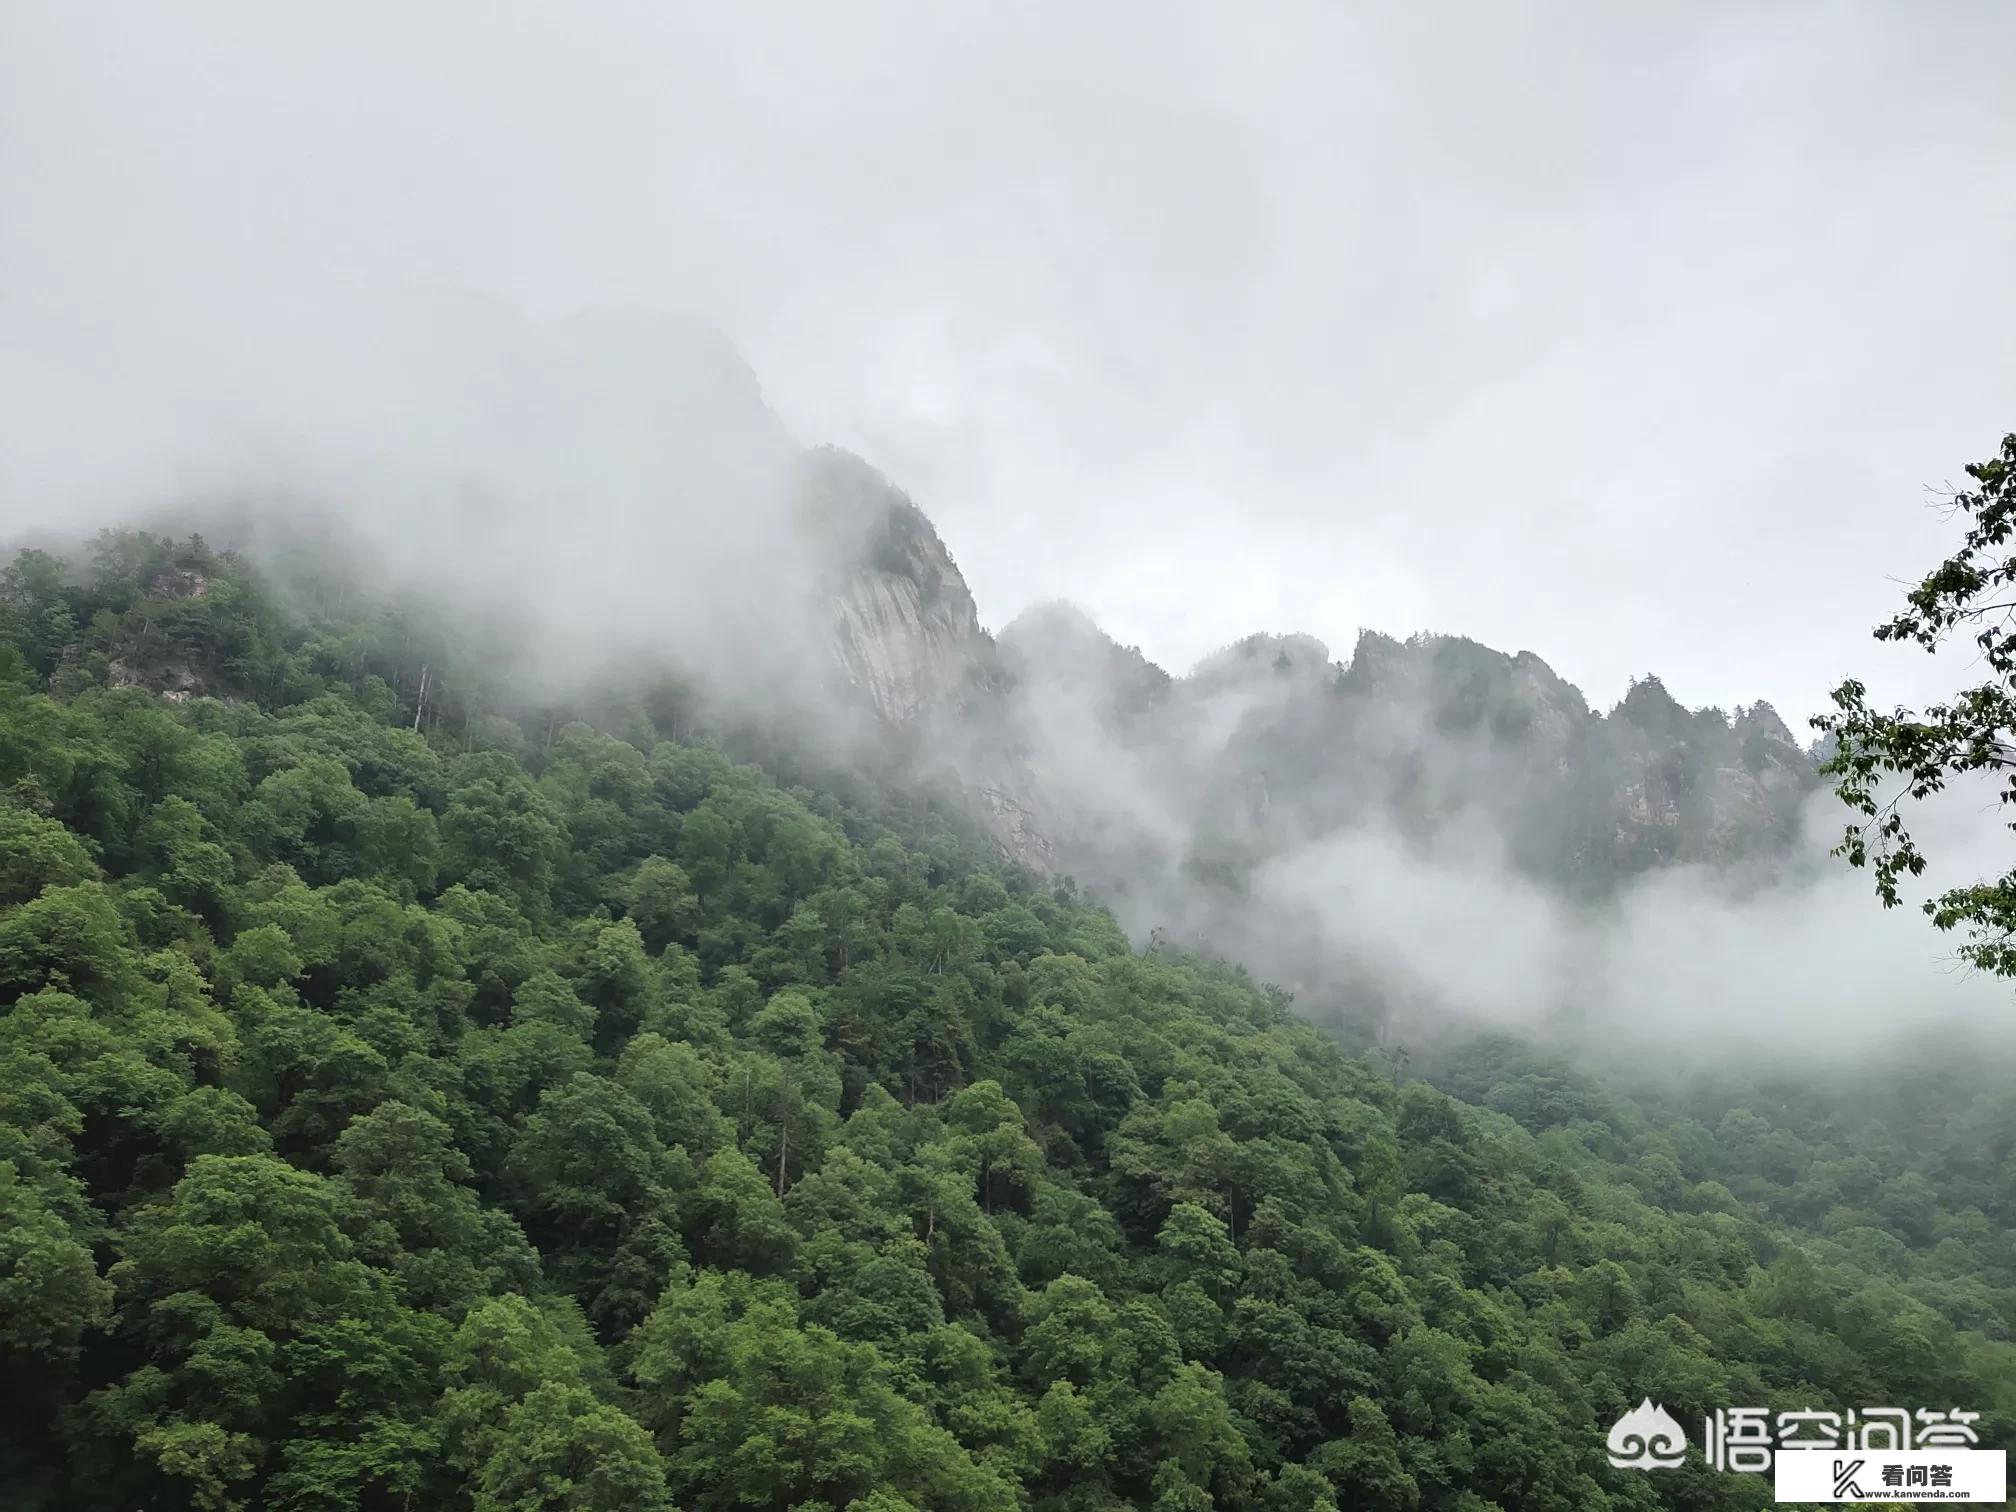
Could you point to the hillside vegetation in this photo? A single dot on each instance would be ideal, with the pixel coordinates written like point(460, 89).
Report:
point(412, 1098)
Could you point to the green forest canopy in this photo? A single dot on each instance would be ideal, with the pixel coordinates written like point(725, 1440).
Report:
point(409, 1100)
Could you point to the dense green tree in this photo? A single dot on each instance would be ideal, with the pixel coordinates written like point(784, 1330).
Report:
point(429, 1100)
point(557, 1449)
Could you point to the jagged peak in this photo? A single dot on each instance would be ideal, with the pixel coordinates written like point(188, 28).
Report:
point(1262, 651)
point(867, 522)
point(1649, 706)
point(1054, 619)
point(841, 486)
point(1762, 720)
point(1429, 657)
point(1429, 646)
point(1056, 641)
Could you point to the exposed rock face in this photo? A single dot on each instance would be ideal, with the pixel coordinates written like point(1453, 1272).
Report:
point(1082, 755)
point(177, 672)
point(904, 631)
point(1015, 827)
point(810, 569)
point(902, 641)
point(1439, 731)
point(178, 582)
point(172, 677)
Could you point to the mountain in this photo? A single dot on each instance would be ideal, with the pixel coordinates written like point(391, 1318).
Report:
point(428, 1081)
point(623, 479)
point(1248, 805)
point(567, 991)
point(1091, 759)
point(902, 626)
point(622, 482)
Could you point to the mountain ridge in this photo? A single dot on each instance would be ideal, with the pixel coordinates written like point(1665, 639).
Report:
point(1269, 735)
point(655, 474)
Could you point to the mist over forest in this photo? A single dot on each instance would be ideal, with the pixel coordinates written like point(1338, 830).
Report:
point(611, 496)
point(1047, 763)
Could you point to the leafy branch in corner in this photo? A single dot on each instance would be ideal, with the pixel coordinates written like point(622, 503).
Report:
point(1975, 732)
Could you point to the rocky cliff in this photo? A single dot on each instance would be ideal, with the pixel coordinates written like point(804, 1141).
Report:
point(628, 486)
point(903, 630)
point(1082, 755)
point(638, 455)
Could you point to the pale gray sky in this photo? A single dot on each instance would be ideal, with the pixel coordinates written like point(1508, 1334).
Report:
point(1629, 335)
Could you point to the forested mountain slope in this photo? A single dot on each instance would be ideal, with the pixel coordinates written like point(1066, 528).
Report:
point(419, 1094)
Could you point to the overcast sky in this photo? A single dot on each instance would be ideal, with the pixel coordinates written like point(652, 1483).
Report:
point(1628, 335)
